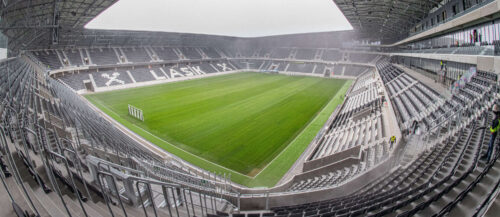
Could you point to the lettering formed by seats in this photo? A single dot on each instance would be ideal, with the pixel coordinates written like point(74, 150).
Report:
point(112, 78)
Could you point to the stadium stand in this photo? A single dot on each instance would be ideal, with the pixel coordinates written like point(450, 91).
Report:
point(332, 55)
point(136, 55)
point(165, 53)
point(143, 74)
point(320, 68)
point(246, 52)
point(104, 56)
point(411, 97)
point(49, 58)
point(305, 54)
point(190, 53)
point(355, 71)
point(362, 57)
point(230, 52)
point(430, 177)
point(357, 136)
point(434, 87)
point(75, 59)
point(75, 81)
point(211, 53)
point(265, 52)
point(128, 75)
point(354, 132)
point(106, 78)
point(73, 117)
point(300, 67)
point(281, 53)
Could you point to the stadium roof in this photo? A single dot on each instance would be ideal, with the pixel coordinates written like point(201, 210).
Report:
point(31, 24)
point(28, 22)
point(390, 19)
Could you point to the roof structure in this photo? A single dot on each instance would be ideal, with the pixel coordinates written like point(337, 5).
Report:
point(37, 24)
point(29, 22)
point(387, 19)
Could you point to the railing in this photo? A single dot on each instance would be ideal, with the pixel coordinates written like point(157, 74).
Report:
point(466, 11)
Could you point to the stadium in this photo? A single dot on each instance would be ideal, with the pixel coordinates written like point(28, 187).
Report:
point(396, 116)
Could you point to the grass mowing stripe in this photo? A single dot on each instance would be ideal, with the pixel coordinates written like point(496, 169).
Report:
point(280, 165)
point(270, 106)
point(287, 109)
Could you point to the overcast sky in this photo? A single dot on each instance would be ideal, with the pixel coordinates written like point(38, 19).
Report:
point(243, 18)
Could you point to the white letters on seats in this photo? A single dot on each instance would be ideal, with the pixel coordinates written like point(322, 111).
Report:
point(112, 78)
point(187, 71)
point(156, 76)
point(224, 67)
point(197, 70)
point(165, 73)
point(174, 72)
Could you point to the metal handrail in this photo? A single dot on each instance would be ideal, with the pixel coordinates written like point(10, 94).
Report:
point(79, 166)
point(75, 189)
point(100, 176)
point(15, 169)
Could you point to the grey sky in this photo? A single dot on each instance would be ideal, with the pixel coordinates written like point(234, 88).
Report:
point(243, 18)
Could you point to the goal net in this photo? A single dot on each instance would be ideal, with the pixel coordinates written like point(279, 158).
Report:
point(135, 112)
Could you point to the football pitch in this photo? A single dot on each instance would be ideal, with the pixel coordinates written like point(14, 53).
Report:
point(235, 123)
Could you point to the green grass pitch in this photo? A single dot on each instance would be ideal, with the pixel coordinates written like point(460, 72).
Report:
point(240, 122)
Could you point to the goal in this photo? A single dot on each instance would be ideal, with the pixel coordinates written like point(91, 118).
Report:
point(135, 112)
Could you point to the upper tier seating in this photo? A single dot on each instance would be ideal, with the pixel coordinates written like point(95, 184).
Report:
point(211, 52)
point(281, 53)
point(136, 55)
point(468, 49)
point(355, 70)
point(74, 57)
point(190, 53)
point(49, 58)
point(231, 52)
point(362, 57)
point(165, 53)
point(265, 52)
point(332, 55)
point(246, 52)
point(305, 54)
point(103, 56)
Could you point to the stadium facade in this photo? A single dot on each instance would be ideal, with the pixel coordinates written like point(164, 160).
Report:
point(425, 72)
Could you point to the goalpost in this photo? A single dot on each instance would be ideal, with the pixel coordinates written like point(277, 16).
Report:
point(135, 112)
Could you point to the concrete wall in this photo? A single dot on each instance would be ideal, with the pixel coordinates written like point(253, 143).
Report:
point(470, 59)
point(341, 163)
point(484, 63)
point(288, 199)
point(331, 159)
